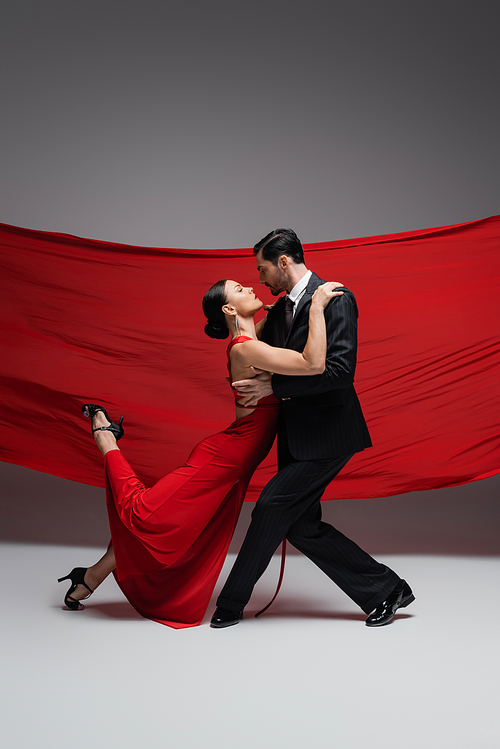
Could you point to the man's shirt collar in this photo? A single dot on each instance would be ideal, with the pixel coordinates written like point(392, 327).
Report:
point(299, 288)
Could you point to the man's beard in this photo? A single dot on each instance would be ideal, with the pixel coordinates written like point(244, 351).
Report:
point(281, 281)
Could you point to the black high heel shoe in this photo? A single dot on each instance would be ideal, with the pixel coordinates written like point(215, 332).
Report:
point(115, 429)
point(77, 578)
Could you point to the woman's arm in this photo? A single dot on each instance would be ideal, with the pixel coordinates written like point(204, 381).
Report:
point(340, 363)
point(284, 361)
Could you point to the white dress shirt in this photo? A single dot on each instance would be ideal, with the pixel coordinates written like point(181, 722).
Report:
point(298, 290)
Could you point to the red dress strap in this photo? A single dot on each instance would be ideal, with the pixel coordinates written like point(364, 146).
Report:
point(280, 580)
point(238, 339)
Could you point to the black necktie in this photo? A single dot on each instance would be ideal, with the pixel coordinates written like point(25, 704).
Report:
point(289, 305)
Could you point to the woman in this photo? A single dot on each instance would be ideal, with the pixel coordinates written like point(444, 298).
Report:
point(169, 542)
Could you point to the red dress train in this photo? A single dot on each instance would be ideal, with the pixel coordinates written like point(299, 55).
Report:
point(170, 540)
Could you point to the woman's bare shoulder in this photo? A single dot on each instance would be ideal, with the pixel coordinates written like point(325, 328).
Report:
point(242, 351)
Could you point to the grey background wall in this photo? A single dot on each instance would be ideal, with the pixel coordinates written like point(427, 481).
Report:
point(201, 124)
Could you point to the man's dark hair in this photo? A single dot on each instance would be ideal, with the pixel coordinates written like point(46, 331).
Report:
point(280, 242)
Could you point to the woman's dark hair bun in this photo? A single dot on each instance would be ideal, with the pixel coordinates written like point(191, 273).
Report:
point(213, 302)
point(215, 329)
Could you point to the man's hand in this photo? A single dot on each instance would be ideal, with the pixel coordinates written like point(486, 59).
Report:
point(251, 391)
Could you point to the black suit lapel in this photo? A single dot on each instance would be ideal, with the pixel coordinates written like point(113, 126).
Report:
point(276, 320)
point(311, 287)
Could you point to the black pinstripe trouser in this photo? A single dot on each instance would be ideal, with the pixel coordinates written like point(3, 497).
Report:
point(290, 507)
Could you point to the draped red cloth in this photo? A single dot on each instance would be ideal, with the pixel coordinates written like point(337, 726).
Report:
point(89, 321)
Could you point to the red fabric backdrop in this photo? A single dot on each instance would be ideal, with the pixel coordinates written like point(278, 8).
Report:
point(88, 321)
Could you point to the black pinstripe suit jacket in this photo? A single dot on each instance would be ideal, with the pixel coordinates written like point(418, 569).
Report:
point(322, 414)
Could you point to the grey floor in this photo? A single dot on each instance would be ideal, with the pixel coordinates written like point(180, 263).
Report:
point(307, 673)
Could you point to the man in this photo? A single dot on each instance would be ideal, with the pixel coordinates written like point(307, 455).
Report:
point(322, 427)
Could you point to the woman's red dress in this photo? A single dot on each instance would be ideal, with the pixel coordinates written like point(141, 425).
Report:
point(170, 540)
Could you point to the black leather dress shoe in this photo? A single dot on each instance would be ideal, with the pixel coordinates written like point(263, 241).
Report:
point(400, 597)
point(225, 618)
